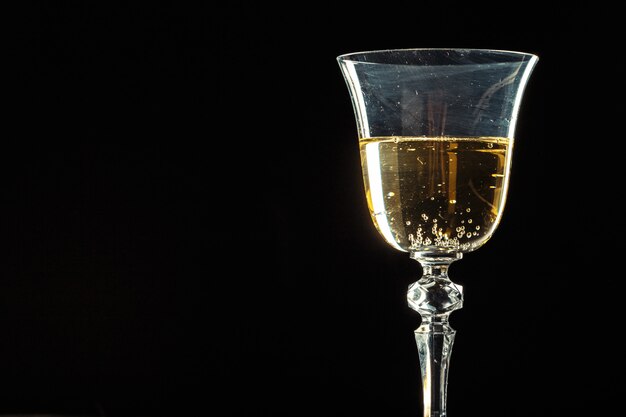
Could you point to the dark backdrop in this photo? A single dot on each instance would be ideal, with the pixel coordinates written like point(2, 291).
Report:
point(183, 227)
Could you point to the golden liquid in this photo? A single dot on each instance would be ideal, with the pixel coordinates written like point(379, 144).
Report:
point(436, 194)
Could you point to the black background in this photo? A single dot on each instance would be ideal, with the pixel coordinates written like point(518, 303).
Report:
point(183, 227)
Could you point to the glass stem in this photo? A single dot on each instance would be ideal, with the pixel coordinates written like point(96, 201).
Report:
point(434, 296)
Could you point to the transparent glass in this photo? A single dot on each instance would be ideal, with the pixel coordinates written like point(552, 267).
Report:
point(436, 133)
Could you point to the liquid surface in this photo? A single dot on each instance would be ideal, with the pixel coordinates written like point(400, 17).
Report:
point(436, 194)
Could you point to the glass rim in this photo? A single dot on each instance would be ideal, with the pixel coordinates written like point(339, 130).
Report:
point(510, 53)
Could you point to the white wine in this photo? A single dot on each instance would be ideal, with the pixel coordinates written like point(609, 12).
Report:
point(436, 194)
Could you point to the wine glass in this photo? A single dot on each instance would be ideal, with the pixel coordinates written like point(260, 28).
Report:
point(436, 129)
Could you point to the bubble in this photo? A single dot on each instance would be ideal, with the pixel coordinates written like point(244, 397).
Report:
point(468, 234)
point(432, 198)
point(434, 220)
point(470, 221)
point(477, 227)
point(390, 194)
point(452, 201)
point(489, 145)
point(408, 222)
point(424, 216)
point(468, 209)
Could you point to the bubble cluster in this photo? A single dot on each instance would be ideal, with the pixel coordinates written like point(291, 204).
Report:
point(438, 232)
point(439, 239)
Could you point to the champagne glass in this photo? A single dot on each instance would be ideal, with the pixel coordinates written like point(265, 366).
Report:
point(436, 134)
